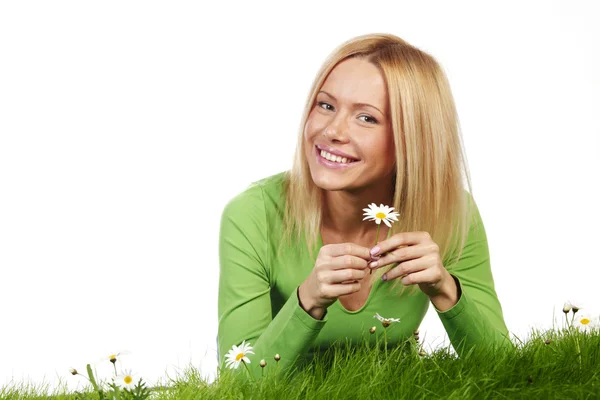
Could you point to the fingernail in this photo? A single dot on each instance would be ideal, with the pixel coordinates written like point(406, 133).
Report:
point(373, 264)
point(384, 278)
point(375, 250)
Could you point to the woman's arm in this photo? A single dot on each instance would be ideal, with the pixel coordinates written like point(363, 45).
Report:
point(477, 318)
point(244, 291)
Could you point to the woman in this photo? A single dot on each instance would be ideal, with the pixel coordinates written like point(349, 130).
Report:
point(380, 126)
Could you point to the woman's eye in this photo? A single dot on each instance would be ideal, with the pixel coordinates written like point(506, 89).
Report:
point(371, 118)
point(324, 106)
point(321, 103)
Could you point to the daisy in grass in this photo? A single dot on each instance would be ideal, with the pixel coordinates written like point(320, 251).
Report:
point(125, 380)
point(113, 357)
point(584, 323)
point(238, 355)
point(386, 321)
point(572, 306)
point(378, 214)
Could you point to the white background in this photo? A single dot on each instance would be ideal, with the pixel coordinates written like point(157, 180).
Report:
point(125, 127)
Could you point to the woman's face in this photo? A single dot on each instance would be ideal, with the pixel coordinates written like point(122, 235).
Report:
point(351, 115)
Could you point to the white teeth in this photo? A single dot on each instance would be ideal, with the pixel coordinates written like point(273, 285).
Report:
point(331, 157)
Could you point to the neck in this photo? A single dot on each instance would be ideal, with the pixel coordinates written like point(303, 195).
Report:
point(343, 211)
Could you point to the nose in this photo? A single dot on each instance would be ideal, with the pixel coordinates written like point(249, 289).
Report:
point(337, 129)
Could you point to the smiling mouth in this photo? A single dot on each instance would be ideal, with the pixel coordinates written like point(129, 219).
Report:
point(334, 164)
point(350, 160)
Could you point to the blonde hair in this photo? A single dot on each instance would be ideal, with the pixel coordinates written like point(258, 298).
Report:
point(429, 193)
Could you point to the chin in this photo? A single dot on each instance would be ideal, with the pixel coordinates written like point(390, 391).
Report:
point(330, 183)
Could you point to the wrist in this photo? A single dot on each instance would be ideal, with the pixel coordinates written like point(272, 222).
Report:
point(308, 305)
point(448, 295)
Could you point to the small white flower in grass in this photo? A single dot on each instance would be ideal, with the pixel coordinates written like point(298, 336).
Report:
point(114, 356)
point(584, 323)
point(125, 380)
point(237, 355)
point(386, 321)
point(572, 306)
point(381, 213)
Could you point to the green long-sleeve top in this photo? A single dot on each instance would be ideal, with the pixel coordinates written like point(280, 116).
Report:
point(258, 299)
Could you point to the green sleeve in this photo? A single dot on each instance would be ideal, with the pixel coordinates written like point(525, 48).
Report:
point(244, 307)
point(476, 319)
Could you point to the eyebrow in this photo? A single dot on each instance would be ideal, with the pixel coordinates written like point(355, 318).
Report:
point(355, 104)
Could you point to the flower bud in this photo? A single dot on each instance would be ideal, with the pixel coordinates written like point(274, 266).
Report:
point(566, 308)
point(277, 357)
point(372, 330)
point(422, 353)
point(417, 338)
point(547, 341)
point(263, 363)
point(73, 371)
point(416, 332)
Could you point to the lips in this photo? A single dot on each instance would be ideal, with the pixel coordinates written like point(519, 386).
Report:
point(336, 152)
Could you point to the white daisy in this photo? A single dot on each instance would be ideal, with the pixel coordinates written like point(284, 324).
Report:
point(386, 321)
point(237, 355)
point(574, 306)
point(125, 380)
point(381, 213)
point(584, 323)
point(114, 356)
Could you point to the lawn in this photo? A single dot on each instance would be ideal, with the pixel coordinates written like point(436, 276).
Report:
point(554, 364)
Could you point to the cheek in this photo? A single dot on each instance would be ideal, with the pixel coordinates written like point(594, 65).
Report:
point(314, 124)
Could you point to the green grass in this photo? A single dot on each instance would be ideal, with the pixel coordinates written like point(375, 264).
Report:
point(533, 370)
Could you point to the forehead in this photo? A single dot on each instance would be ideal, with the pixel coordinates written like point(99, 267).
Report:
point(355, 80)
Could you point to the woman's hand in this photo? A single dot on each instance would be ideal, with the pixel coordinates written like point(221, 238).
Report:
point(338, 269)
point(419, 262)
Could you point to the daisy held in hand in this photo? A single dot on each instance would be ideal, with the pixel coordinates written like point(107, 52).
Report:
point(378, 214)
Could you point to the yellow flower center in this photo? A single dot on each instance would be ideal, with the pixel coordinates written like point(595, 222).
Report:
point(380, 215)
point(128, 379)
point(239, 357)
point(584, 321)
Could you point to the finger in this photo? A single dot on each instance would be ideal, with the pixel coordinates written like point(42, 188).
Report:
point(343, 275)
point(402, 254)
point(347, 261)
point(426, 276)
point(406, 268)
point(341, 289)
point(399, 239)
point(353, 249)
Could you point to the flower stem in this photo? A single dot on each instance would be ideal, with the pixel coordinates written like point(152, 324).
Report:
point(247, 369)
point(376, 241)
point(385, 340)
point(572, 329)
